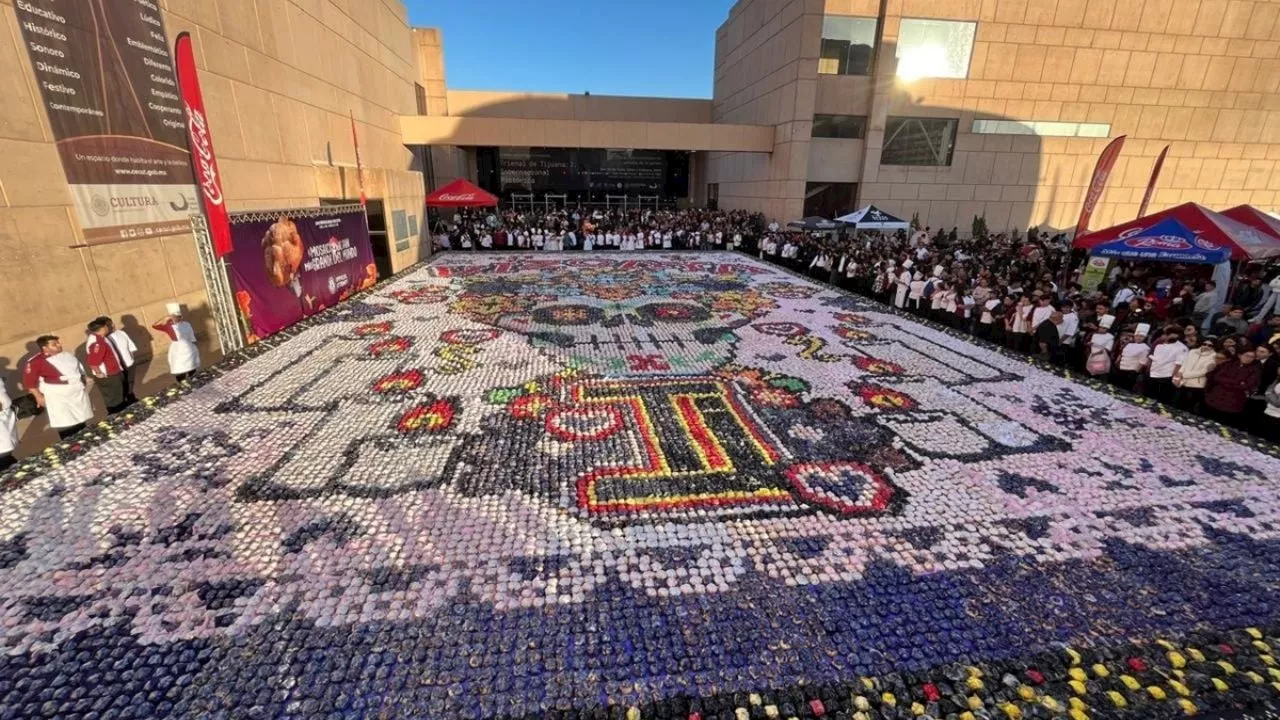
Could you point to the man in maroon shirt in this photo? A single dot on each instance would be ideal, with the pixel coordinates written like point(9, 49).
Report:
point(59, 385)
point(107, 365)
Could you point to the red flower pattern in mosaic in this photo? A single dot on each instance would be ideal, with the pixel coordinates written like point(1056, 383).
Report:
point(432, 418)
point(399, 382)
point(389, 346)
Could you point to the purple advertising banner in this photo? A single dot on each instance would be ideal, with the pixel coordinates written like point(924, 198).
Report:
point(287, 267)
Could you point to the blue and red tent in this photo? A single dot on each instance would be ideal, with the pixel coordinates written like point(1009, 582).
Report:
point(1187, 233)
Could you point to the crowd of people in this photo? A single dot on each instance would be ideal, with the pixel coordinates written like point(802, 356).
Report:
point(1166, 332)
point(63, 384)
point(567, 229)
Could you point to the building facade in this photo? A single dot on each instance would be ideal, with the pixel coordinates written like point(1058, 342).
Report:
point(281, 80)
point(998, 108)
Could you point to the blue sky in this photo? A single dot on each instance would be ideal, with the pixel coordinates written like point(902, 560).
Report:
point(608, 47)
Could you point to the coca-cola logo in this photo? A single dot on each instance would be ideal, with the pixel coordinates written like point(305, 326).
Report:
point(457, 197)
point(1158, 242)
point(202, 146)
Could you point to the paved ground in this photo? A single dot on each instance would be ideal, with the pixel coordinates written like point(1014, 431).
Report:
point(517, 485)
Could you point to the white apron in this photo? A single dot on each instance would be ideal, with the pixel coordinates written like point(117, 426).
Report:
point(68, 405)
point(184, 356)
point(8, 423)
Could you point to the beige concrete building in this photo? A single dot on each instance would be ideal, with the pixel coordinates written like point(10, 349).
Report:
point(947, 109)
point(281, 79)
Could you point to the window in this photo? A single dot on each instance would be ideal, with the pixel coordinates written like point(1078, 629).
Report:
point(934, 48)
point(420, 93)
point(918, 141)
point(1043, 129)
point(849, 127)
point(847, 44)
point(829, 200)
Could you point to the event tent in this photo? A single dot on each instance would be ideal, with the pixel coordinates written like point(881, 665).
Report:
point(873, 218)
point(1187, 233)
point(1268, 225)
point(461, 193)
point(813, 223)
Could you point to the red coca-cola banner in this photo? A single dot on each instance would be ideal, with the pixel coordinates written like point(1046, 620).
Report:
point(1151, 185)
point(203, 161)
point(1101, 172)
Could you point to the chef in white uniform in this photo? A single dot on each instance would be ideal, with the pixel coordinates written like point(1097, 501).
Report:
point(8, 429)
point(184, 355)
point(60, 386)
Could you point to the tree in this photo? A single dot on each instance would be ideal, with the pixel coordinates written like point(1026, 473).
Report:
point(980, 227)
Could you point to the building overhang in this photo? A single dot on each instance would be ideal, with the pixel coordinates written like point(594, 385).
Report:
point(516, 132)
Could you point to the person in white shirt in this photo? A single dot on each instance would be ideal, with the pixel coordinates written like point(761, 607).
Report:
point(1133, 359)
point(1166, 359)
point(486, 241)
point(904, 285)
point(539, 240)
point(8, 429)
point(666, 240)
point(737, 240)
point(589, 242)
point(466, 240)
point(1044, 308)
point(570, 240)
point(1123, 296)
point(916, 293)
point(1067, 330)
point(773, 226)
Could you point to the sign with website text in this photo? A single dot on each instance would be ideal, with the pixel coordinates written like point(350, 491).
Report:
point(107, 80)
point(288, 267)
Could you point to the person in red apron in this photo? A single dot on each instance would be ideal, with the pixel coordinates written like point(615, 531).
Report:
point(8, 429)
point(60, 386)
point(184, 355)
point(106, 362)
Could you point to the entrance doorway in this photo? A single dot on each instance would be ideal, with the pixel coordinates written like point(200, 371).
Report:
point(376, 217)
point(829, 200)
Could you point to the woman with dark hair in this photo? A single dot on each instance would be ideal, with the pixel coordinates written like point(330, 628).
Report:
point(1230, 385)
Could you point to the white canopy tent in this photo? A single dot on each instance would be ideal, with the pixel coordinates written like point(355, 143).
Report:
point(873, 218)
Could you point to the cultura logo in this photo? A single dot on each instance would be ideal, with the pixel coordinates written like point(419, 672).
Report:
point(100, 206)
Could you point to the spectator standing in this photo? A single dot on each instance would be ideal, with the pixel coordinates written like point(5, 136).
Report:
point(1190, 378)
point(1271, 415)
point(1229, 387)
point(1166, 359)
point(8, 429)
point(1267, 365)
point(1206, 303)
point(1048, 339)
point(1232, 324)
point(1133, 359)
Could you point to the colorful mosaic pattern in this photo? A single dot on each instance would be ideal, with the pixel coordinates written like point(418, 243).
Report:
point(654, 485)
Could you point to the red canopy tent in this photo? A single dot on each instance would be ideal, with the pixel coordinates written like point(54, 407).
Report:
point(461, 193)
point(1256, 219)
point(1211, 231)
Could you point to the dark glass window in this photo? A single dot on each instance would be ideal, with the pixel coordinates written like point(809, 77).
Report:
point(918, 141)
point(849, 127)
point(847, 45)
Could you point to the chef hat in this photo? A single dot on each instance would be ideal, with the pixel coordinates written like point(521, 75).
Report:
point(1107, 321)
point(173, 308)
point(908, 264)
point(1143, 329)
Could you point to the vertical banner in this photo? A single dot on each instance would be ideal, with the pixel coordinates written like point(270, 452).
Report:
point(106, 79)
point(1101, 172)
point(203, 161)
point(285, 267)
point(1095, 274)
point(355, 142)
point(1151, 185)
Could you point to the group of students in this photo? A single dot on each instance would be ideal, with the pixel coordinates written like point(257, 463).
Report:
point(1140, 330)
point(61, 383)
point(588, 231)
